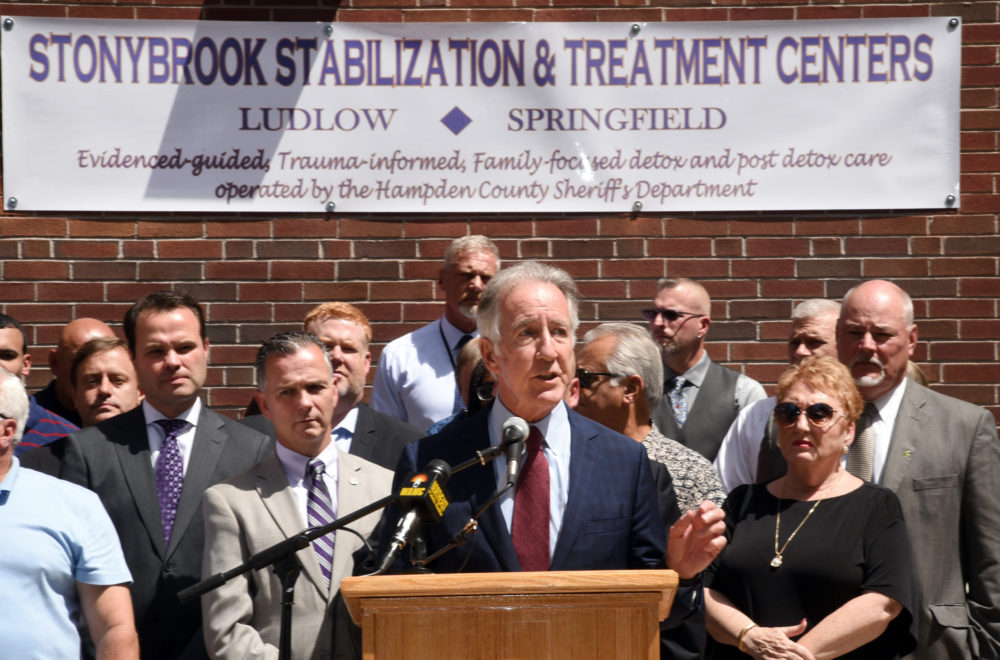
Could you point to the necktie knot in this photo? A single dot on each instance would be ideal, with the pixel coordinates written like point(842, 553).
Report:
point(315, 468)
point(535, 440)
point(172, 427)
point(462, 342)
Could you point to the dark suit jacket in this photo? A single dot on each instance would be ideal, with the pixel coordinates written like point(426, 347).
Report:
point(611, 521)
point(113, 460)
point(944, 466)
point(378, 438)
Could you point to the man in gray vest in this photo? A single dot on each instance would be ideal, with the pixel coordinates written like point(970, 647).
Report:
point(700, 398)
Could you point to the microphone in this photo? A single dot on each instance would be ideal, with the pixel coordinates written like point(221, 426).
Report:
point(514, 431)
point(422, 499)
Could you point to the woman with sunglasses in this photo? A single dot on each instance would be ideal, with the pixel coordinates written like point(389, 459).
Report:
point(818, 562)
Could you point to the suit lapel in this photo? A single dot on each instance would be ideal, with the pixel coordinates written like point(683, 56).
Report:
point(281, 505)
point(136, 465)
point(583, 467)
point(363, 440)
point(480, 482)
point(909, 420)
point(209, 440)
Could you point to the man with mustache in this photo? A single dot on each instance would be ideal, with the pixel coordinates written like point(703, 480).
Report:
point(700, 397)
point(415, 381)
point(942, 459)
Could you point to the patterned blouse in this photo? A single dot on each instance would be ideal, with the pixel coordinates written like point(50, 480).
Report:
point(695, 478)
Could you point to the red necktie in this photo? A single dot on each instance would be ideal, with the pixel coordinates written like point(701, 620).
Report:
point(530, 527)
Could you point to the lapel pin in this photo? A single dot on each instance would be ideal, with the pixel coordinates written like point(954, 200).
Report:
point(906, 453)
point(354, 481)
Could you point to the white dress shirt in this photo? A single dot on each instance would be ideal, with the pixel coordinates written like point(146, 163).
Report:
point(558, 439)
point(156, 435)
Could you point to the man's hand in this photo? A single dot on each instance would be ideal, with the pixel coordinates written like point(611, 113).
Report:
point(696, 539)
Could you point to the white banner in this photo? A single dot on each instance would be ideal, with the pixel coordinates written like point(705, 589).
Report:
point(114, 115)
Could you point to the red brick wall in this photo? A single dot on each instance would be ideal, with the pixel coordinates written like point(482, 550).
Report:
point(258, 274)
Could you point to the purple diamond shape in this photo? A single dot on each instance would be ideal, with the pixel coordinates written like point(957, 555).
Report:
point(456, 120)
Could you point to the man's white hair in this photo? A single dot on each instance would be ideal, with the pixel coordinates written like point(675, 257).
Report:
point(13, 402)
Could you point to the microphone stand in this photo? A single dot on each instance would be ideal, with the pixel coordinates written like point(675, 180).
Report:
point(461, 538)
point(286, 565)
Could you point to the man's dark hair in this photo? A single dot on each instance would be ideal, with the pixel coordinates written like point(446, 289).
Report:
point(93, 347)
point(161, 301)
point(11, 322)
point(285, 343)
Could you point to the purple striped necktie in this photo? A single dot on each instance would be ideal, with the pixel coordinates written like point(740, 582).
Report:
point(169, 473)
point(319, 511)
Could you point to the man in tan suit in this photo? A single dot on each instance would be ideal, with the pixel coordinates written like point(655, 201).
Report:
point(276, 499)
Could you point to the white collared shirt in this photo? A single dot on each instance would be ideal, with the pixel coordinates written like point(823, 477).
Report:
point(156, 435)
point(294, 465)
point(558, 439)
point(344, 432)
point(884, 424)
point(415, 379)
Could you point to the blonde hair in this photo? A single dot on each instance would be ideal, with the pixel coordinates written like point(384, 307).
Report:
point(825, 374)
point(339, 311)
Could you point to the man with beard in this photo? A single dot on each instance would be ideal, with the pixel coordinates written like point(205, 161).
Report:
point(415, 381)
point(700, 398)
point(357, 429)
point(942, 459)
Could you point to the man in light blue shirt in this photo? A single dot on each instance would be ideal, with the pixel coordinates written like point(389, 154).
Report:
point(61, 557)
point(415, 381)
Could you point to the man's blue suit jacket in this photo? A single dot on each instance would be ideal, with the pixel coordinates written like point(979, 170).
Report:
point(612, 520)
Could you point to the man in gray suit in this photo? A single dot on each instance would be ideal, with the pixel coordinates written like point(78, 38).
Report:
point(276, 499)
point(357, 429)
point(151, 465)
point(942, 459)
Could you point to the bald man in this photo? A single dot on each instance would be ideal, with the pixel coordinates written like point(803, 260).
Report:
point(58, 395)
point(701, 398)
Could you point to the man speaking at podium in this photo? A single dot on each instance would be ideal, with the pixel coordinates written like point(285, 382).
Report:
point(585, 498)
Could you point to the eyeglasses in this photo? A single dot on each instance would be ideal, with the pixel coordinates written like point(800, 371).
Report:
point(587, 378)
point(669, 315)
point(819, 415)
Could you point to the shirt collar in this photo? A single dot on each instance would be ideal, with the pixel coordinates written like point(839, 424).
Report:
point(695, 375)
point(453, 334)
point(294, 463)
point(9, 480)
point(554, 426)
point(888, 404)
point(190, 415)
point(347, 425)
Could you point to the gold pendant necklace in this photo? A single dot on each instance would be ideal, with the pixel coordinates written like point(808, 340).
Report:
point(777, 561)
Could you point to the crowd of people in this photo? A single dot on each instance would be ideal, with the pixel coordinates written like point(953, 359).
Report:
point(119, 488)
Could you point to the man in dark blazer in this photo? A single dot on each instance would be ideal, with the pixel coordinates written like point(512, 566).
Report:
point(942, 459)
point(121, 458)
point(358, 430)
point(602, 505)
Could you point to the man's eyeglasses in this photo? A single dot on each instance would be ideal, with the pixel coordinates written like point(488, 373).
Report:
point(669, 315)
point(587, 378)
point(819, 415)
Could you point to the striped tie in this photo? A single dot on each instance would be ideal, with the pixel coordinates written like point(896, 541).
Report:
point(319, 511)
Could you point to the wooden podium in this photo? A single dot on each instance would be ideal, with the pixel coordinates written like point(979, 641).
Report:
point(514, 616)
